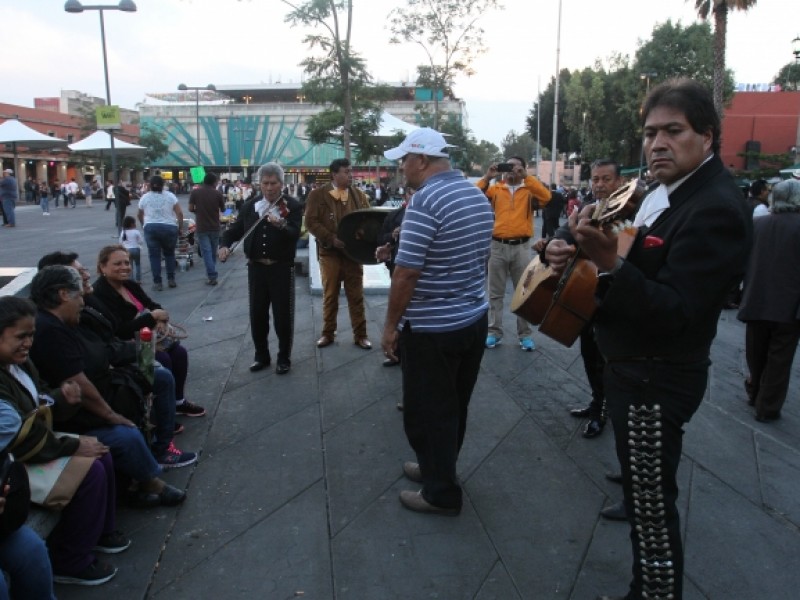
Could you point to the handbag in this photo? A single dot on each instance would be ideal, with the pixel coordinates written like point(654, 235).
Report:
point(172, 335)
point(54, 483)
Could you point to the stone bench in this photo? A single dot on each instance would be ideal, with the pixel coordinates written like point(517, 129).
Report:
point(15, 281)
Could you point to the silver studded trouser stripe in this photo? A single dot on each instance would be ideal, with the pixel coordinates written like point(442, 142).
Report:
point(649, 402)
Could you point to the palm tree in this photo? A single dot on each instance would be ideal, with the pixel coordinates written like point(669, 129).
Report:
point(720, 9)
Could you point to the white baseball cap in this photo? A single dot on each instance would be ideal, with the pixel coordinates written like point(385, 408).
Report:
point(420, 141)
point(8, 171)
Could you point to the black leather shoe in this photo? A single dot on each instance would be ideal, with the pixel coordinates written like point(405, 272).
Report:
point(593, 428)
point(613, 597)
point(581, 413)
point(259, 365)
point(767, 417)
point(169, 496)
point(282, 368)
point(615, 477)
point(390, 363)
point(615, 512)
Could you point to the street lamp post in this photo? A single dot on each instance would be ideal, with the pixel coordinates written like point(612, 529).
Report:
point(74, 6)
point(183, 87)
point(646, 77)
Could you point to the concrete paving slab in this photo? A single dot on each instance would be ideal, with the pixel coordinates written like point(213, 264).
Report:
point(284, 555)
point(287, 462)
point(364, 457)
point(537, 509)
point(779, 472)
point(389, 553)
point(734, 550)
point(498, 586)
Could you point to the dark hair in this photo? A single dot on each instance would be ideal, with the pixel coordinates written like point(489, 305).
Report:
point(12, 309)
point(127, 223)
point(693, 99)
point(338, 164)
point(210, 179)
point(758, 186)
point(157, 183)
point(520, 159)
point(106, 252)
point(48, 282)
point(64, 259)
point(607, 162)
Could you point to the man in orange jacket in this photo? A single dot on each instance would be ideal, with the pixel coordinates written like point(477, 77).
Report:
point(513, 202)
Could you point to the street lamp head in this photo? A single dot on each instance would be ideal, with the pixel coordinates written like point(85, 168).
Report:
point(182, 87)
point(796, 48)
point(211, 87)
point(73, 6)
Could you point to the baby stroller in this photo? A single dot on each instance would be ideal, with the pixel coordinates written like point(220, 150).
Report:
point(184, 251)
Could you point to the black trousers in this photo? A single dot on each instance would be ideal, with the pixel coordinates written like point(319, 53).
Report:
point(439, 374)
point(649, 402)
point(271, 285)
point(770, 348)
point(594, 364)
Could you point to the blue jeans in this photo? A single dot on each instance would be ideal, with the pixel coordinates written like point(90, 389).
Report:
point(161, 238)
point(129, 451)
point(45, 204)
point(8, 211)
point(209, 242)
point(23, 556)
point(136, 262)
point(163, 409)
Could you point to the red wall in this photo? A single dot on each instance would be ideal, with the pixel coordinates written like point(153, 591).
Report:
point(772, 118)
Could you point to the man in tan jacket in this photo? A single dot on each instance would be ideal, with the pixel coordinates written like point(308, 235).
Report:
point(325, 208)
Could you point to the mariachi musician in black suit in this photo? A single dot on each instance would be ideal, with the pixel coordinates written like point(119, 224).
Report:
point(658, 312)
point(268, 226)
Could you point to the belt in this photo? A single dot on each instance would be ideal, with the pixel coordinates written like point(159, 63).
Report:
point(264, 261)
point(511, 241)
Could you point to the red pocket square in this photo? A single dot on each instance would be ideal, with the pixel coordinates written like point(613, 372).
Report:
point(652, 241)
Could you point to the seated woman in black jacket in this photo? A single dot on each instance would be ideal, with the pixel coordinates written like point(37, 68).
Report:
point(133, 309)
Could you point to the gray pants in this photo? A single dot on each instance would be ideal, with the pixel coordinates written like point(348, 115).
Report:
point(506, 260)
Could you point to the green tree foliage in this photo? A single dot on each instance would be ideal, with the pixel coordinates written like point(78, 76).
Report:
point(720, 8)
point(789, 77)
point(338, 78)
point(153, 140)
point(611, 93)
point(522, 145)
point(449, 34)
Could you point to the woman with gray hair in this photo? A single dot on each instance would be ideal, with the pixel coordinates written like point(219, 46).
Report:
point(771, 302)
point(268, 228)
point(60, 355)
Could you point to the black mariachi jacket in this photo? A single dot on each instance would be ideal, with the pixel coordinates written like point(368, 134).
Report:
point(666, 298)
point(278, 244)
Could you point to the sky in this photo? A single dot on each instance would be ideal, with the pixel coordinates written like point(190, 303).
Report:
point(233, 42)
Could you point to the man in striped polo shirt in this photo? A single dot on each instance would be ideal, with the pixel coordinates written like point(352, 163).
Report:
point(437, 314)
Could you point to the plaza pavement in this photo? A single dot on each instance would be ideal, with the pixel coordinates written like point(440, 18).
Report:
point(295, 493)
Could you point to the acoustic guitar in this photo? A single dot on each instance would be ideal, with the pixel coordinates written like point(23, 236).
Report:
point(562, 305)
